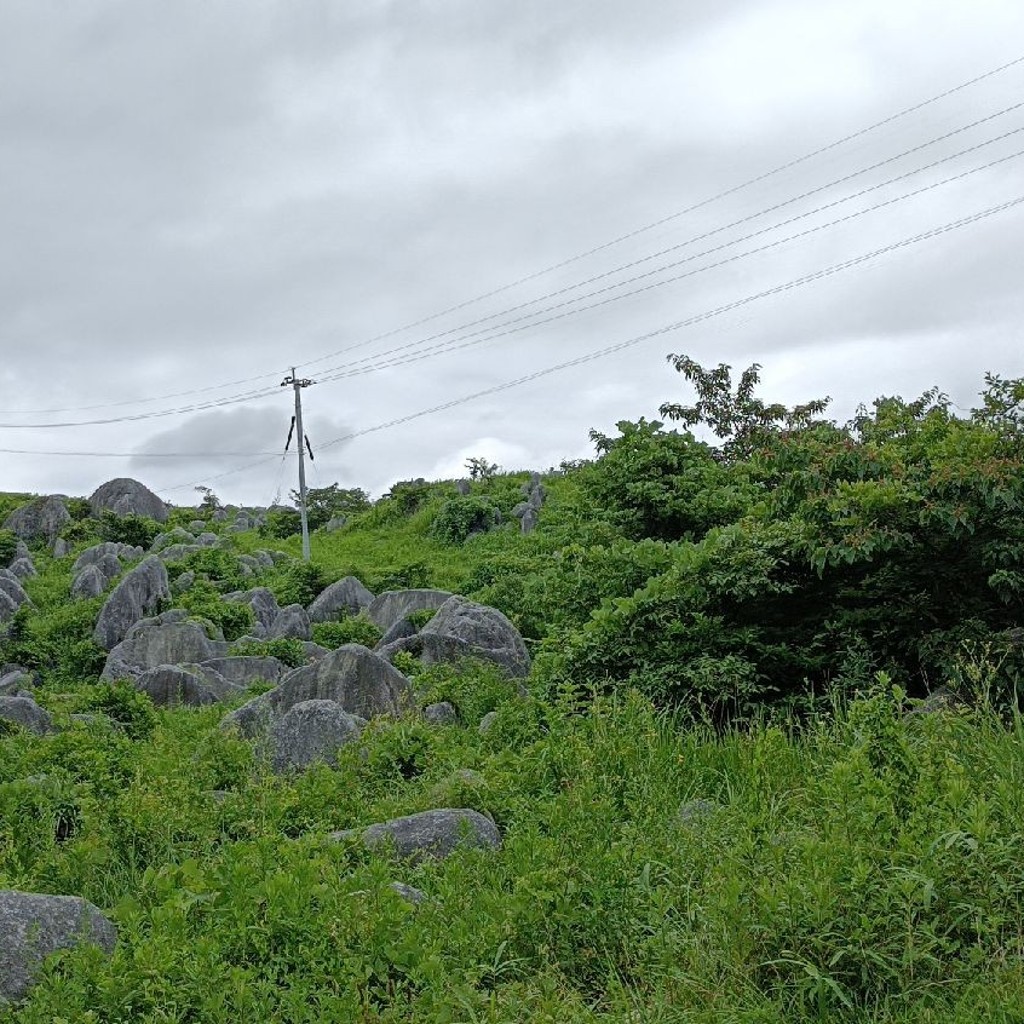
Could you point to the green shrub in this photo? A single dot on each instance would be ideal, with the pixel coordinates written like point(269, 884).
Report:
point(286, 649)
point(402, 577)
point(8, 547)
point(232, 618)
point(298, 583)
point(217, 565)
point(78, 508)
point(458, 517)
point(132, 710)
point(282, 523)
point(353, 629)
point(138, 531)
point(58, 641)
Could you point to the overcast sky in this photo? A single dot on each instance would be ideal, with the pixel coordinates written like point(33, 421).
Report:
point(198, 195)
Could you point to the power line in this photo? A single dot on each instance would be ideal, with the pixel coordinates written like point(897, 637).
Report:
point(680, 213)
point(779, 289)
point(487, 335)
point(326, 374)
point(132, 455)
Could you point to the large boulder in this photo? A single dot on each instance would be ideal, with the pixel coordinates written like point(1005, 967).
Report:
point(167, 640)
point(90, 582)
point(23, 568)
point(393, 605)
point(40, 519)
point(34, 926)
point(97, 555)
point(25, 712)
point(264, 605)
point(128, 497)
point(312, 730)
point(194, 685)
point(11, 586)
point(139, 594)
point(244, 670)
point(8, 607)
point(355, 679)
point(291, 623)
point(436, 834)
point(464, 629)
point(178, 535)
point(346, 597)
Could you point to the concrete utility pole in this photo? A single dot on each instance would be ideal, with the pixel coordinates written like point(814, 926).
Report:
point(298, 385)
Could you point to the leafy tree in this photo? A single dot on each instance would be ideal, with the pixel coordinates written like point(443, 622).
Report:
point(325, 503)
point(8, 547)
point(743, 422)
point(138, 531)
point(480, 468)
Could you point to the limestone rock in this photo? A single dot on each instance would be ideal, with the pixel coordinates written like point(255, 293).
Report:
point(24, 711)
point(312, 730)
point(61, 548)
point(124, 496)
point(262, 602)
point(352, 677)
point(348, 596)
point(40, 519)
point(96, 554)
point(23, 568)
point(139, 594)
point(34, 926)
point(464, 629)
point(193, 685)
point(90, 582)
point(291, 622)
point(11, 586)
point(442, 713)
point(168, 640)
point(176, 536)
point(436, 834)
point(401, 630)
point(386, 610)
point(245, 670)
point(487, 722)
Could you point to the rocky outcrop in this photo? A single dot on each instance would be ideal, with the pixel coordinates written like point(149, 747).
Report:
point(291, 623)
point(41, 519)
point(176, 536)
point(11, 586)
point(97, 555)
point(464, 629)
point(34, 926)
point(139, 594)
point(245, 670)
point(346, 597)
point(442, 713)
point(311, 731)
point(169, 639)
point(124, 496)
point(436, 834)
point(354, 678)
point(262, 602)
point(90, 582)
point(192, 685)
point(26, 713)
point(393, 605)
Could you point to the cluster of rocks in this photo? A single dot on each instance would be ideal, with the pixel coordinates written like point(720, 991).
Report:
point(97, 567)
point(528, 510)
point(12, 594)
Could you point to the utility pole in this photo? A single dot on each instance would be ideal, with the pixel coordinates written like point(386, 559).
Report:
point(298, 385)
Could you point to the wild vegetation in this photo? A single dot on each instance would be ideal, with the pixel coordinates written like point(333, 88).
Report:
point(728, 796)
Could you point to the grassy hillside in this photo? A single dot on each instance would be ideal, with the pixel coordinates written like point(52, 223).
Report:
point(722, 800)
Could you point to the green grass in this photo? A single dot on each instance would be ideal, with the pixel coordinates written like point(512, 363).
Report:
point(860, 864)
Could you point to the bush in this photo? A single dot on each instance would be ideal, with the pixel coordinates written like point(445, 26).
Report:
point(137, 531)
point(8, 547)
point(298, 583)
point(286, 649)
point(78, 508)
point(351, 630)
point(131, 709)
point(459, 517)
point(58, 641)
point(232, 618)
point(282, 523)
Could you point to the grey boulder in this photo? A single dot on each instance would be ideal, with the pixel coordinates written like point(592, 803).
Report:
point(392, 605)
point(262, 602)
point(34, 926)
point(23, 568)
point(291, 623)
point(464, 629)
point(311, 731)
point(25, 712)
point(245, 670)
point(11, 586)
point(346, 597)
point(442, 713)
point(169, 639)
point(436, 834)
point(40, 519)
point(178, 535)
point(192, 685)
point(139, 594)
point(90, 582)
point(125, 496)
point(355, 679)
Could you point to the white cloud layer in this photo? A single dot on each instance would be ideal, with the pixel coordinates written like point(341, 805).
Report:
point(197, 196)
